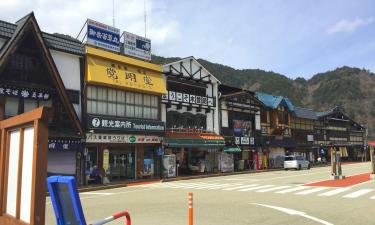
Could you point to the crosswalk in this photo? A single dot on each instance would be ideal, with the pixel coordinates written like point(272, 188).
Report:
point(298, 190)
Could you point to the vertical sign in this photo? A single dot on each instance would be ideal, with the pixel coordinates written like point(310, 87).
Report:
point(103, 36)
point(137, 46)
point(105, 159)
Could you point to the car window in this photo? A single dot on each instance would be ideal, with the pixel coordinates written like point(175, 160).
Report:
point(289, 158)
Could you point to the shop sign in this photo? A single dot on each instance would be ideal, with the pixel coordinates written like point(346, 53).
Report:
point(64, 145)
point(122, 138)
point(103, 36)
point(137, 46)
point(310, 138)
point(124, 124)
point(160, 151)
point(30, 93)
point(252, 141)
point(102, 71)
point(187, 98)
point(245, 140)
point(105, 159)
point(237, 140)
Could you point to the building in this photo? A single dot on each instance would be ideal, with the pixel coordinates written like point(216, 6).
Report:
point(276, 131)
point(123, 121)
point(335, 129)
point(302, 129)
point(39, 69)
point(240, 125)
point(191, 112)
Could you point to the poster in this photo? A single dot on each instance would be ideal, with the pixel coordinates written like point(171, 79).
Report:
point(241, 127)
point(226, 162)
point(148, 167)
point(169, 165)
point(105, 159)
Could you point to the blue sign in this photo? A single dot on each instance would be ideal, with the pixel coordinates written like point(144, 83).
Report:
point(65, 200)
point(103, 36)
point(63, 145)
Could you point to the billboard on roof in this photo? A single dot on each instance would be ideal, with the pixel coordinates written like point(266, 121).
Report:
point(103, 36)
point(137, 46)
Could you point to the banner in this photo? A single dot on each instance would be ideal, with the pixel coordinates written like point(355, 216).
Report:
point(103, 36)
point(187, 98)
point(137, 46)
point(122, 138)
point(30, 93)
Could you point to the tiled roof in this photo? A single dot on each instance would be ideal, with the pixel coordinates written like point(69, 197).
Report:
point(53, 41)
point(305, 113)
point(273, 101)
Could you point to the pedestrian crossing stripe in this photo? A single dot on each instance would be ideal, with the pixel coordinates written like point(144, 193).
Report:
point(266, 188)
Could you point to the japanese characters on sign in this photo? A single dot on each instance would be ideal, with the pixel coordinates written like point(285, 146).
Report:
point(186, 98)
point(64, 145)
point(137, 46)
point(24, 93)
point(121, 138)
point(103, 36)
point(125, 124)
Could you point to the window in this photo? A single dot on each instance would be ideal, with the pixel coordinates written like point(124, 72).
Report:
point(112, 102)
point(11, 106)
point(15, 106)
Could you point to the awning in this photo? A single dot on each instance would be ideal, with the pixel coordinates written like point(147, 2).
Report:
point(187, 142)
point(232, 149)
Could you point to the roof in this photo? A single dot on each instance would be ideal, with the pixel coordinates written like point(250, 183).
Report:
point(274, 101)
point(11, 46)
point(305, 113)
point(53, 41)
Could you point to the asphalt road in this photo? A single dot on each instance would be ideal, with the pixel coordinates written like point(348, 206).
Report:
point(278, 197)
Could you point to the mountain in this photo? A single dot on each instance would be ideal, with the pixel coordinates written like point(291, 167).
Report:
point(347, 87)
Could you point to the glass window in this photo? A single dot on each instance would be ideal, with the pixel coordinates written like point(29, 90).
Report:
point(112, 109)
point(154, 101)
point(30, 104)
point(120, 110)
point(138, 111)
point(102, 107)
point(11, 106)
point(147, 113)
point(147, 100)
point(130, 97)
point(46, 103)
point(111, 95)
point(138, 99)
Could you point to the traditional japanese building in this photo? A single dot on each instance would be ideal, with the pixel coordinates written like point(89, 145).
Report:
point(191, 112)
point(39, 69)
point(302, 129)
point(335, 128)
point(124, 121)
point(276, 130)
point(240, 125)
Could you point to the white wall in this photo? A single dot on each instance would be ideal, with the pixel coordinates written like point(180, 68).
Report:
point(69, 69)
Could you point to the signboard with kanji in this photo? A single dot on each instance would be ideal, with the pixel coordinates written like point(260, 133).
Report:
point(103, 36)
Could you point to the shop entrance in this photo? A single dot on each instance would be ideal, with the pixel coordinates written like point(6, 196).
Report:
point(121, 164)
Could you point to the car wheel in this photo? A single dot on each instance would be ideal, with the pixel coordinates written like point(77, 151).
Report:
point(299, 167)
point(308, 167)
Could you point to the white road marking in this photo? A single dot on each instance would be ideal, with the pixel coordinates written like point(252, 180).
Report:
point(356, 194)
point(334, 192)
point(373, 197)
point(241, 179)
point(294, 213)
point(255, 188)
point(222, 186)
point(292, 189)
point(239, 187)
point(273, 189)
point(95, 193)
point(313, 190)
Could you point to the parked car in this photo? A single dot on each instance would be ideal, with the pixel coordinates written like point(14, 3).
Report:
point(296, 162)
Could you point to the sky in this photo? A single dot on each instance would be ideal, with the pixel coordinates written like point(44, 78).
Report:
point(297, 38)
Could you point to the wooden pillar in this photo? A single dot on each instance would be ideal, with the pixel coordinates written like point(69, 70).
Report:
point(2, 108)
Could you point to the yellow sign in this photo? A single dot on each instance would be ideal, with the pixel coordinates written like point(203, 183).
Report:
point(105, 159)
point(124, 74)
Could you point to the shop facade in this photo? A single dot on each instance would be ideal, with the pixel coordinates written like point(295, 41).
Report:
point(190, 110)
point(36, 71)
point(123, 118)
point(240, 126)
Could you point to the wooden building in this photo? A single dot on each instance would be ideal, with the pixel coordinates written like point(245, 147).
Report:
point(32, 67)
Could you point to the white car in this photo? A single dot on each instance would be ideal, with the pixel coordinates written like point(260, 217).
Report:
point(296, 162)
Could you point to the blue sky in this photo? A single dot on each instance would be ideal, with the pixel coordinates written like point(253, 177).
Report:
point(292, 37)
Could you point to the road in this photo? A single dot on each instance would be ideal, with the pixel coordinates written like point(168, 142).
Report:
point(278, 197)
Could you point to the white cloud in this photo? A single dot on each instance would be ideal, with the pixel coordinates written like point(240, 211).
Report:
point(350, 25)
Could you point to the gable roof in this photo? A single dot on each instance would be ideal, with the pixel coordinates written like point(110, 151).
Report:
point(53, 41)
point(274, 101)
point(192, 59)
point(304, 113)
point(24, 25)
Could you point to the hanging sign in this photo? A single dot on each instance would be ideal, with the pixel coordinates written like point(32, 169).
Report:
point(105, 159)
point(25, 93)
point(137, 46)
point(103, 36)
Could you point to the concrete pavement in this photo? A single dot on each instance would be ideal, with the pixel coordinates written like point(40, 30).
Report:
point(278, 197)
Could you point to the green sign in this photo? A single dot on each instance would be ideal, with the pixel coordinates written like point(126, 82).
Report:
point(132, 139)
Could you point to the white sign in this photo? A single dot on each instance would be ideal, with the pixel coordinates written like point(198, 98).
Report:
point(237, 140)
point(187, 98)
point(310, 137)
point(245, 140)
point(252, 142)
point(103, 36)
point(137, 46)
point(121, 138)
